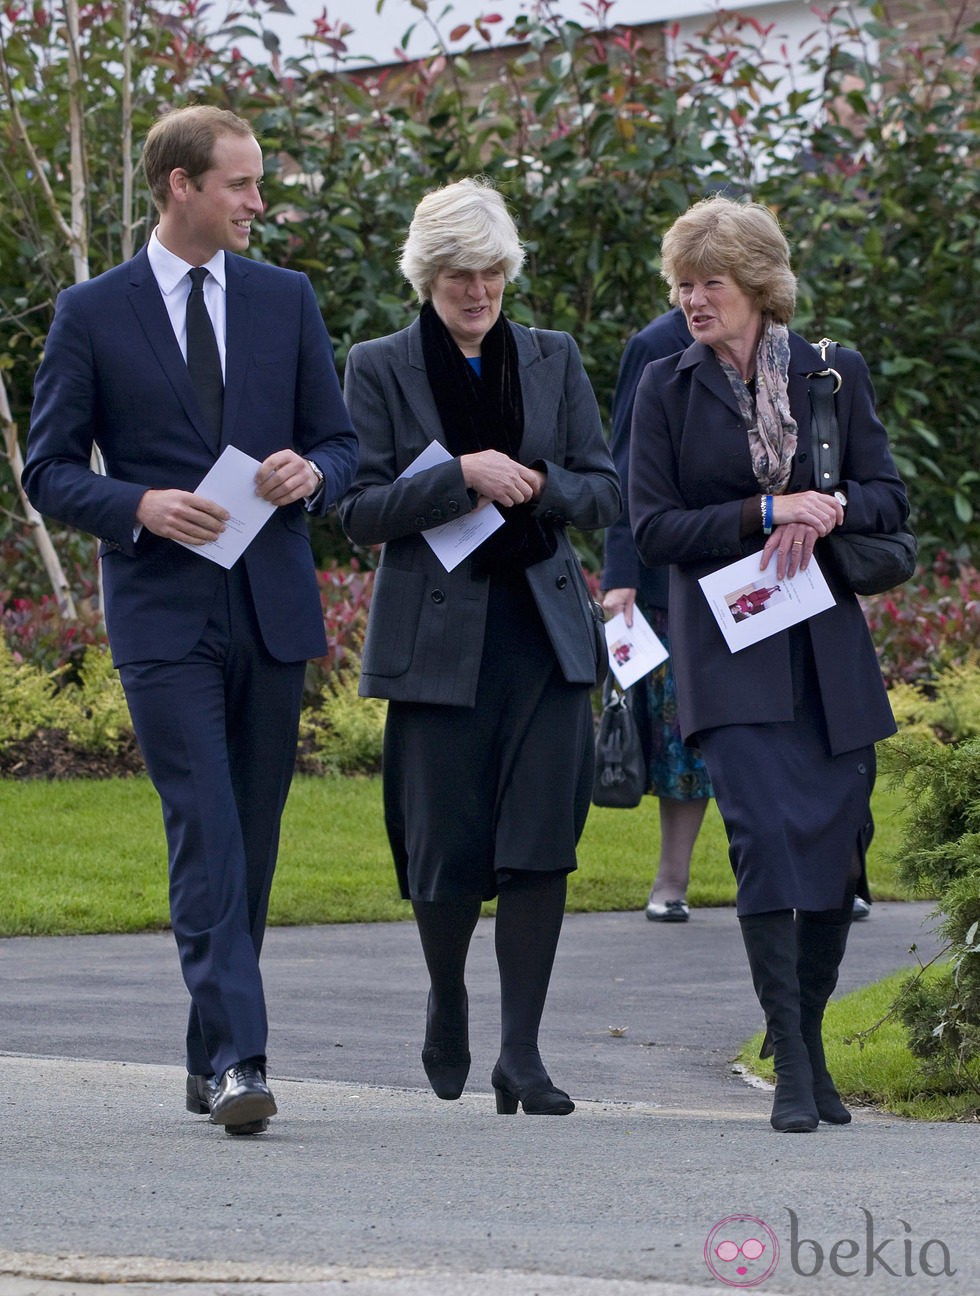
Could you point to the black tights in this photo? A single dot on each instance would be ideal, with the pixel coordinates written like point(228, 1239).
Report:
point(445, 930)
point(530, 909)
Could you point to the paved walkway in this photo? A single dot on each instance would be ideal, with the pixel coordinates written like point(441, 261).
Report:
point(368, 1185)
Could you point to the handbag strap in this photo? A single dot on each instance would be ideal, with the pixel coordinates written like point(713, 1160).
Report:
point(612, 695)
point(824, 385)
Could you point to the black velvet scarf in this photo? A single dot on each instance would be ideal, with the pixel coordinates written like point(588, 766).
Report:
point(485, 411)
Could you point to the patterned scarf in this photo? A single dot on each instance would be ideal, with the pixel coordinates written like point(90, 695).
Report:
point(771, 427)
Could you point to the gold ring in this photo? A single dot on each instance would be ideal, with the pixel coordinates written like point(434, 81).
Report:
point(797, 542)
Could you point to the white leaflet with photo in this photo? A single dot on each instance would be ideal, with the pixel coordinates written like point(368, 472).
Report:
point(750, 605)
point(634, 650)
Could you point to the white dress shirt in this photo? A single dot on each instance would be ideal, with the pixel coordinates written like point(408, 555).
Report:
point(171, 274)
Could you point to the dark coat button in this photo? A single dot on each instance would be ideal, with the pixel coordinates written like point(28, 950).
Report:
point(453, 506)
point(862, 768)
point(561, 582)
point(436, 515)
point(438, 596)
point(421, 521)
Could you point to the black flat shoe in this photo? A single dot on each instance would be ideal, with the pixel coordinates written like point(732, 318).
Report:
point(540, 1098)
point(200, 1092)
point(674, 911)
point(242, 1097)
point(447, 1066)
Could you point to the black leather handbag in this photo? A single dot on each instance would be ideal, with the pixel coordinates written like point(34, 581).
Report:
point(868, 563)
point(620, 769)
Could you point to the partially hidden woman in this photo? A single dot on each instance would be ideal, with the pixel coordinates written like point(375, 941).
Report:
point(721, 467)
point(488, 667)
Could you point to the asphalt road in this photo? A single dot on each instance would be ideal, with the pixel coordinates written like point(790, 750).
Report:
point(368, 1185)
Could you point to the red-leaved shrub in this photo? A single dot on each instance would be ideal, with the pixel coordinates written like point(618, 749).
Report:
point(927, 625)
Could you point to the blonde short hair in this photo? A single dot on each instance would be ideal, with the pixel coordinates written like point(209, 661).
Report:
point(465, 226)
point(721, 236)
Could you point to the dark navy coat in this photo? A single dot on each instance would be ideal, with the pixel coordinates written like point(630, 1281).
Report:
point(621, 567)
point(690, 471)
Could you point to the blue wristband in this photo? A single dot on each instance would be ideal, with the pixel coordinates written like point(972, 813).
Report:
point(767, 515)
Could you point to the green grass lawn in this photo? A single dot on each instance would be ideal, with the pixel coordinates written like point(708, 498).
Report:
point(89, 856)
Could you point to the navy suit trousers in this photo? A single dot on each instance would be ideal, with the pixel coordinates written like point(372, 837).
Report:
point(218, 732)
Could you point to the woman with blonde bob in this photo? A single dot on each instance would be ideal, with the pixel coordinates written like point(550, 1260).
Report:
point(721, 467)
point(487, 665)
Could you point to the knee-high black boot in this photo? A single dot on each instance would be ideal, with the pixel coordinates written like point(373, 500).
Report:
point(445, 929)
point(530, 910)
point(820, 949)
point(770, 943)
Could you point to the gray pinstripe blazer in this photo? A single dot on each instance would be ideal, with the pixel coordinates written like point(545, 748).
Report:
point(425, 632)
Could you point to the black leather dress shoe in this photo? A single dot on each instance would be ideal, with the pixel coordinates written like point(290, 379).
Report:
point(242, 1097)
point(201, 1090)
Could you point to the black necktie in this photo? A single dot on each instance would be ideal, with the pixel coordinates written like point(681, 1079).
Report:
point(203, 361)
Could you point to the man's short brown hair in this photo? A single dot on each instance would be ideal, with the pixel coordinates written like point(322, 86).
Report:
point(185, 138)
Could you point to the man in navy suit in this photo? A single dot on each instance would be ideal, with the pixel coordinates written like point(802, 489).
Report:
point(212, 660)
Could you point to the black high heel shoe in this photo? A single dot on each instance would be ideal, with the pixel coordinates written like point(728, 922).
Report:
point(539, 1098)
point(447, 1065)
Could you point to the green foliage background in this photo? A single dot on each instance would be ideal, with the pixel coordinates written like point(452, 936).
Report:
point(597, 143)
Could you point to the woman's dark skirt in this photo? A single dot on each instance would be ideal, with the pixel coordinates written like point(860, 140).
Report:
point(798, 819)
point(474, 794)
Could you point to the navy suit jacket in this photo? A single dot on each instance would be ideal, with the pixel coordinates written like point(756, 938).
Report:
point(690, 471)
point(622, 567)
point(113, 374)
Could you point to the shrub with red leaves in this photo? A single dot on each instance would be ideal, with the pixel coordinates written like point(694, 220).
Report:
point(927, 625)
point(918, 629)
point(36, 632)
point(345, 595)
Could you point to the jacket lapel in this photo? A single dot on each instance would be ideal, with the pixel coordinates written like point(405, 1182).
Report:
point(542, 382)
point(408, 368)
point(148, 306)
point(709, 373)
point(238, 339)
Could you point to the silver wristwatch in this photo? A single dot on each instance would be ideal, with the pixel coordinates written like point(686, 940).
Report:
point(319, 480)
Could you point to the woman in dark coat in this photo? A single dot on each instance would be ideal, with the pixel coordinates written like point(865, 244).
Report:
point(721, 467)
point(488, 667)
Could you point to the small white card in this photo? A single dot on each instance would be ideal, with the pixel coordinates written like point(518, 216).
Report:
point(749, 604)
point(453, 541)
point(231, 483)
point(634, 650)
